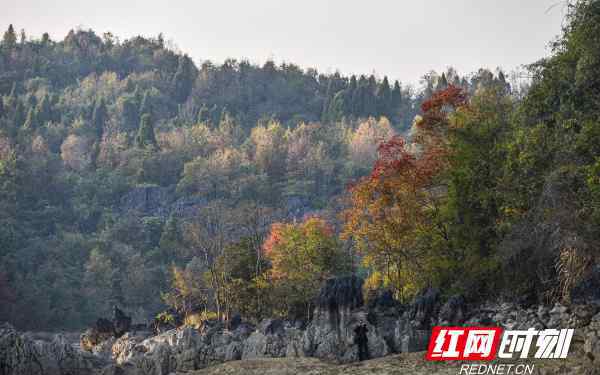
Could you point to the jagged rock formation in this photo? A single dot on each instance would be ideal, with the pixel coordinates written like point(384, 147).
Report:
point(19, 355)
point(273, 338)
point(342, 330)
point(160, 202)
point(163, 202)
point(338, 316)
point(104, 330)
point(454, 311)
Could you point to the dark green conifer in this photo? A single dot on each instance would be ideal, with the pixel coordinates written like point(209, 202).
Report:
point(99, 118)
point(145, 137)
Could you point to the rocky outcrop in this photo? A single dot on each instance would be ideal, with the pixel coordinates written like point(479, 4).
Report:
point(274, 338)
point(343, 330)
point(338, 319)
point(104, 330)
point(591, 346)
point(181, 349)
point(20, 355)
point(454, 311)
point(148, 200)
point(101, 331)
point(340, 323)
point(160, 202)
point(335, 340)
point(424, 309)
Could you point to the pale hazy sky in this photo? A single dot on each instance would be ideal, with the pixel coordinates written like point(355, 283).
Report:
point(399, 38)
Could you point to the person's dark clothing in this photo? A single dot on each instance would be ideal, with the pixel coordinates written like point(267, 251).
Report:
point(360, 339)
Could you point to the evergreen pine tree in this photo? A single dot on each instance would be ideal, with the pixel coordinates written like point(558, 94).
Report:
point(442, 83)
point(9, 41)
point(337, 109)
point(183, 79)
point(99, 118)
point(327, 102)
point(145, 137)
point(370, 99)
point(396, 96)
point(44, 110)
point(170, 236)
point(396, 102)
point(360, 95)
point(384, 98)
point(353, 105)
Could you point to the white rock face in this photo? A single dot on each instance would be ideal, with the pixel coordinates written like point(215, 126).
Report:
point(20, 355)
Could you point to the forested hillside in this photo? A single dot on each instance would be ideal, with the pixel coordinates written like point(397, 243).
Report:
point(131, 176)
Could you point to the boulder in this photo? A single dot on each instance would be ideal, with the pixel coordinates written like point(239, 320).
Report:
point(559, 316)
point(158, 355)
point(127, 347)
point(273, 338)
point(104, 349)
point(591, 344)
point(414, 340)
point(259, 345)
point(581, 315)
point(409, 335)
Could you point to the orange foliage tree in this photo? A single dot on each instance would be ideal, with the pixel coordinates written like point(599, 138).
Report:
point(302, 256)
point(394, 213)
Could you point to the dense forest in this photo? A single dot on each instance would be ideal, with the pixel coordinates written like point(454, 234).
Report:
point(131, 176)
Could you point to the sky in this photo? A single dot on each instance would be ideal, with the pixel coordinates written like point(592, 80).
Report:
point(398, 38)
